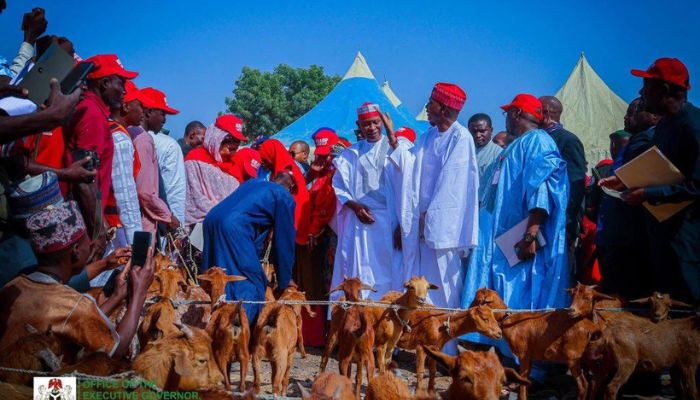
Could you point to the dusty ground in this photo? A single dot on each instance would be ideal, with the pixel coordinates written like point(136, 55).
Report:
point(559, 387)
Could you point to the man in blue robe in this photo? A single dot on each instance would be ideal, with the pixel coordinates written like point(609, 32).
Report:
point(234, 237)
point(527, 181)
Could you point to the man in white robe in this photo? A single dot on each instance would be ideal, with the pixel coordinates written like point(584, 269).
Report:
point(366, 218)
point(440, 211)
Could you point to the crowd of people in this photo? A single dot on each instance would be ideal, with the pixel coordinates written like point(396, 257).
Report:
point(85, 171)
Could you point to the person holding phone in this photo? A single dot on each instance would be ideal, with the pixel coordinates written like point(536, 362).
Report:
point(41, 298)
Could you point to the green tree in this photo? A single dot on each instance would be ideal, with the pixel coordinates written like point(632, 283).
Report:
point(269, 101)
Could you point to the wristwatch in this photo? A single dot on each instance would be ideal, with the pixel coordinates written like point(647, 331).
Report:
point(529, 238)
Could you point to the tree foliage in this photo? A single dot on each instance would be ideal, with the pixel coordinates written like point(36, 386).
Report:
point(269, 101)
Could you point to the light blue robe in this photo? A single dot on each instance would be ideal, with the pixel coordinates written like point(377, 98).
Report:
point(529, 174)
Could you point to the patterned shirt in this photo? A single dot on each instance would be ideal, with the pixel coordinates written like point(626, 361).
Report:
point(123, 183)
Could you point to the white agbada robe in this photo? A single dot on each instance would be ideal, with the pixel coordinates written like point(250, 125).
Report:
point(440, 179)
point(366, 250)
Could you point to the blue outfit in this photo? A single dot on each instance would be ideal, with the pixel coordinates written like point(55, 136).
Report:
point(529, 174)
point(234, 237)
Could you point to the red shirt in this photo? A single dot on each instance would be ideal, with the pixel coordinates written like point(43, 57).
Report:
point(88, 129)
point(323, 202)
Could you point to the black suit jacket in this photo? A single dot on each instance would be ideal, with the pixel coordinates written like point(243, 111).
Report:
point(571, 150)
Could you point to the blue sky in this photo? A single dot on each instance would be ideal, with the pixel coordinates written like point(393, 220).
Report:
point(194, 51)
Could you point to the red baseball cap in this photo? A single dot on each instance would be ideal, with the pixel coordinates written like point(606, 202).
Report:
point(154, 98)
point(406, 132)
point(231, 124)
point(131, 92)
point(249, 159)
point(528, 103)
point(670, 70)
point(324, 140)
point(108, 64)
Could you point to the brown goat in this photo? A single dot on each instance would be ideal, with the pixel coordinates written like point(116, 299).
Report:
point(276, 337)
point(559, 335)
point(356, 337)
point(169, 281)
point(214, 282)
point(351, 288)
point(390, 322)
point(183, 362)
point(98, 364)
point(230, 333)
point(158, 322)
point(387, 386)
point(438, 328)
point(659, 305)
point(476, 375)
point(36, 351)
point(329, 386)
point(630, 343)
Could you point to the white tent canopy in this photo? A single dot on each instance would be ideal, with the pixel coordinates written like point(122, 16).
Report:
point(591, 110)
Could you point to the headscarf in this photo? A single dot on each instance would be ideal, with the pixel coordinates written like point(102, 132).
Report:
point(209, 152)
point(273, 152)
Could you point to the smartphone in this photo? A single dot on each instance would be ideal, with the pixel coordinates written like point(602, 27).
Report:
point(76, 77)
point(111, 283)
point(54, 63)
point(139, 248)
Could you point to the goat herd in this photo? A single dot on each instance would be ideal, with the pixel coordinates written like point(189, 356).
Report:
point(189, 337)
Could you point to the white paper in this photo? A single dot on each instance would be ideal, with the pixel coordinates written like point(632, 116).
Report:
point(507, 241)
point(197, 237)
point(612, 192)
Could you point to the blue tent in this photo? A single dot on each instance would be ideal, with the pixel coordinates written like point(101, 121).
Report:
point(338, 110)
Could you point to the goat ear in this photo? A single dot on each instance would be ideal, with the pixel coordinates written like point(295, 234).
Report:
point(368, 287)
point(407, 284)
point(676, 303)
point(304, 393)
point(433, 286)
point(446, 360)
point(180, 362)
point(643, 300)
point(204, 277)
point(235, 278)
point(336, 289)
point(515, 377)
point(603, 296)
point(570, 290)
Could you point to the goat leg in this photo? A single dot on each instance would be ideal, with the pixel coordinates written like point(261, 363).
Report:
point(625, 368)
point(577, 373)
point(256, 370)
point(525, 365)
point(432, 371)
point(330, 345)
point(420, 367)
point(688, 380)
point(243, 358)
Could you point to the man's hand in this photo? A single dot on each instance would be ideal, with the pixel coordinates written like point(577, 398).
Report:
point(612, 182)
point(98, 247)
point(389, 127)
point(120, 256)
point(174, 222)
point(141, 278)
point(363, 213)
point(121, 286)
point(77, 173)
point(60, 105)
point(525, 250)
point(397, 238)
point(34, 25)
point(7, 90)
point(633, 197)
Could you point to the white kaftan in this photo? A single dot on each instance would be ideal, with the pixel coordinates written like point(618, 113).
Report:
point(366, 250)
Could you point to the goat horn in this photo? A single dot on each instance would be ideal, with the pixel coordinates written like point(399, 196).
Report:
point(368, 287)
point(30, 328)
point(49, 357)
point(184, 329)
point(640, 301)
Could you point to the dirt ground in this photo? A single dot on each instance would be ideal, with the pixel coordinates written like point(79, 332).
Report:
point(559, 387)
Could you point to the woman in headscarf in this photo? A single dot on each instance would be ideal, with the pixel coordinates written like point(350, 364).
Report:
point(206, 168)
point(244, 164)
point(275, 159)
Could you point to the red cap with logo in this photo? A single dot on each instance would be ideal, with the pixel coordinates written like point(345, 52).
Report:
point(154, 98)
point(406, 132)
point(108, 64)
point(131, 93)
point(670, 70)
point(231, 124)
point(449, 94)
point(324, 140)
point(527, 103)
